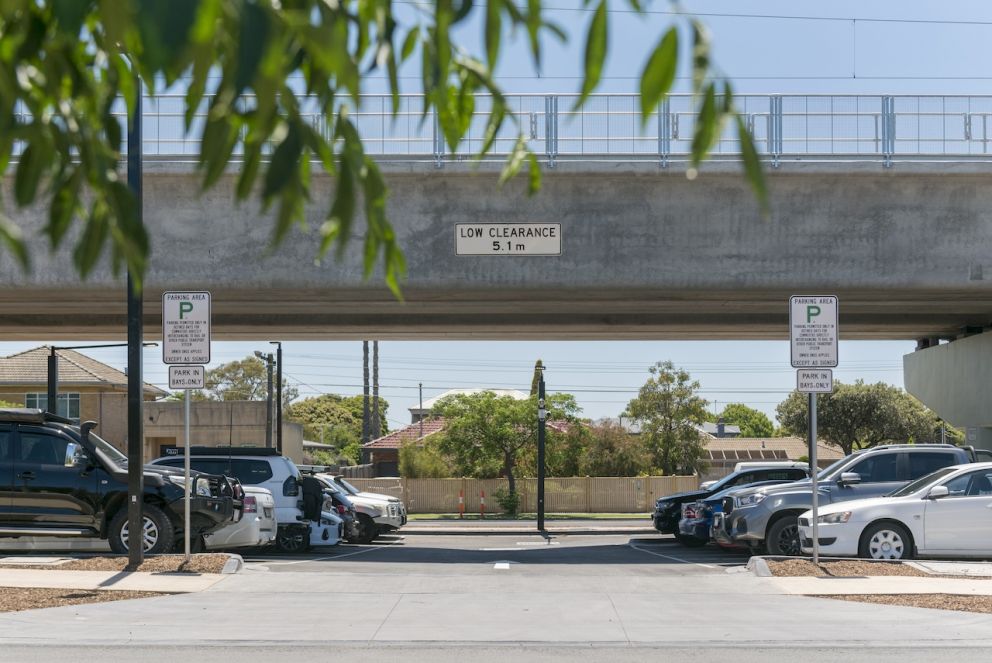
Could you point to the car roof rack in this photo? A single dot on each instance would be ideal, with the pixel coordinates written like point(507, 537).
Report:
point(926, 445)
point(224, 451)
point(31, 415)
point(315, 469)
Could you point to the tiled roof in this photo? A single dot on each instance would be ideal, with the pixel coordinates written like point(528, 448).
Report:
point(757, 448)
point(30, 368)
point(401, 436)
point(411, 433)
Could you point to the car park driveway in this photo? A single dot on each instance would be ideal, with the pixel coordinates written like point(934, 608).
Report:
point(434, 598)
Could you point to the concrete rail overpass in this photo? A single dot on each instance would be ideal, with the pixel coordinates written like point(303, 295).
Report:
point(902, 237)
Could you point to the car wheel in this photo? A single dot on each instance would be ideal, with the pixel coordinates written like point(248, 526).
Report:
point(690, 541)
point(783, 537)
point(292, 541)
point(366, 529)
point(197, 544)
point(886, 541)
point(158, 533)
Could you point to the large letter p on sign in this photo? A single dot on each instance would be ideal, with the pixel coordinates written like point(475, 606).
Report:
point(187, 307)
point(811, 312)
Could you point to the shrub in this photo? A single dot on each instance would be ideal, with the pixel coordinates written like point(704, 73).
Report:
point(509, 502)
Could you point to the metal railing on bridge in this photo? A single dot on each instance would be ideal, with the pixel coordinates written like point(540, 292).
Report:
point(864, 128)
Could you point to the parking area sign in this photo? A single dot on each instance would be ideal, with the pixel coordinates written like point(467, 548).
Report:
point(186, 328)
point(814, 381)
point(813, 331)
point(186, 377)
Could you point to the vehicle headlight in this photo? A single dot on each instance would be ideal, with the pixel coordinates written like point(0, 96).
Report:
point(662, 505)
point(749, 500)
point(203, 487)
point(834, 518)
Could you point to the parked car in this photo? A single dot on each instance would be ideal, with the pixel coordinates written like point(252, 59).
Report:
point(944, 514)
point(668, 509)
point(260, 467)
point(697, 517)
point(767, 518)
point(257, 526)
point(60, 479)
point(344, 506)
point(377, 513)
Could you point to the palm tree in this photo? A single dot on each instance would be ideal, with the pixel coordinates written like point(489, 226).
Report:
point(365, 392)
point(376, 420)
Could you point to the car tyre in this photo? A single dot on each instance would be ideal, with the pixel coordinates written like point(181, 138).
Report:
point(366, 529)
point(160, 534)
point(886, 540)
point(690, 541)
point(783, 537)
point(292, 541)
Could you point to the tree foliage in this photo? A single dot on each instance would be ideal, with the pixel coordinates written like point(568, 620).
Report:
point(242, 380)
point(423, 462)
point(280, 82)
point(669, 411)
point(753, 423)
point(333, 419)
point(485, 435)
point(859, 415)
point(613, 452)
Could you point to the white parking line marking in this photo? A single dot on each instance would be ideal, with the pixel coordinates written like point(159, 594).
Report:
point(538, 543)
point(676, 559)
point(328, 557)
point(502, 566)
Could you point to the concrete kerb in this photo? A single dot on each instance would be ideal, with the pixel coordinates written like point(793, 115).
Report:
point(234, 564)
point(521, 531)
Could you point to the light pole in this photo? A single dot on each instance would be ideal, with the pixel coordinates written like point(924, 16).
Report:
point(278, 345)
point(135, 336)
point(267, 358)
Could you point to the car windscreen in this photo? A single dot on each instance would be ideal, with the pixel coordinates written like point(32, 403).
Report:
point(347, 486)
point(921, 483)
point(108, 450)
point(826, 472)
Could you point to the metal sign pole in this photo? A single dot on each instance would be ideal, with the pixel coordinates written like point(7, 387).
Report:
point(186, 473)
point(815, 470)
point(541, 417)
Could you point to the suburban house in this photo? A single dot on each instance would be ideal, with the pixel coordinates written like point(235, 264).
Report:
point(87, 389)
point(721, 455)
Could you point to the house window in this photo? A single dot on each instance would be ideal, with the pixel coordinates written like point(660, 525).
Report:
point(68, 404)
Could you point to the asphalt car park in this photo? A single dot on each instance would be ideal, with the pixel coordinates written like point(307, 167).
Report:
point(569, 554)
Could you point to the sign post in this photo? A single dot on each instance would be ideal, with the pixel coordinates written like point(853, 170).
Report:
point(185, 348)
point(813, 333)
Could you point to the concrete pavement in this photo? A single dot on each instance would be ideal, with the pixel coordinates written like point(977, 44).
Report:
point(648, 599)
point(109, 580)
point(529, 527)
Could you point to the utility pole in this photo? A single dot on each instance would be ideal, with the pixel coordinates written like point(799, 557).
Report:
point(135, 336)
point(278, 345)
point(267, 358)
point(365, 392)
point(420, 387)
point(53, 382)
point(542, 415)
point(376, 420)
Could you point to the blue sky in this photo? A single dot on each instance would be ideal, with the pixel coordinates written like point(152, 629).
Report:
point(844, 47)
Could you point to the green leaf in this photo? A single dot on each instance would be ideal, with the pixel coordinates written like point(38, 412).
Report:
point(514, 161)
point(409, 44)
point(284, 163)
point(534, 175)
point(252, 42)
point(12, 237)
point(164, 26)
point(494, 30)
point(534, 30)
point(70, 14)
point(63, 207)
point(659, 73)
point(249, 170)
point(219, 138)
point(700, 55)
point(752, 165)
point(706, 126)
point(595, 53)
point(339, 221)
point(90, 245)
point(29, 170)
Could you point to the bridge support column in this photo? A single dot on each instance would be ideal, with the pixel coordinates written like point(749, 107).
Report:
point(955, 381)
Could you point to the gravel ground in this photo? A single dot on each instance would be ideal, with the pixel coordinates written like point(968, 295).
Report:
point(13, 599)
point(204, 563)
point(936, 601)
point(854, 567)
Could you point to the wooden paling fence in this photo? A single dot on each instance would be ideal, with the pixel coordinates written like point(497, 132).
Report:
point(562, 495)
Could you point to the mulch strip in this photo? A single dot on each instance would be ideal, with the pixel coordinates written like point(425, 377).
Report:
point(933, 601)
point(13, 599)
point(202, 563)
point(854, 568)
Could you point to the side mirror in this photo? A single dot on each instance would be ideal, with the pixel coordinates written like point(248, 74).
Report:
point(850, 477)
point(74, 455)
point(937, 492)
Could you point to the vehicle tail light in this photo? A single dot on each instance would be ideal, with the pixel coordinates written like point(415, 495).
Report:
point(250, 505)
point(341, 509)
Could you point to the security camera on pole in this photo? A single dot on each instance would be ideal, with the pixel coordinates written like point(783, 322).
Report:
point(186, 348)
point(813, 332)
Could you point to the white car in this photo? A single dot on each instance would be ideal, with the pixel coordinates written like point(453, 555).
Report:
point(377, 513)
point(945, 514)
point(257, 526)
